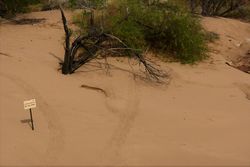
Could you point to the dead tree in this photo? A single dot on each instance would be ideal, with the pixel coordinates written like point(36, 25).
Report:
point(66, 67)
point(100, 43)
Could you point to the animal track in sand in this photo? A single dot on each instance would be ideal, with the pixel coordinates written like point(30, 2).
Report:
point(245, 88)
point(180, 81)
point(56, 140)
point(5, 54)
point(126, 110)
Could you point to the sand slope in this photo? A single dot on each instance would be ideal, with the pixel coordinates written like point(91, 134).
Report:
point(202, 117)
point(234, 43)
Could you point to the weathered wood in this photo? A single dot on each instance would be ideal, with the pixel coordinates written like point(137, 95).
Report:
point(66, 68)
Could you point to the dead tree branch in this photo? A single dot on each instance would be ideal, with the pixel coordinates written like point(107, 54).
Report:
point(89, 47)
point(66, 68)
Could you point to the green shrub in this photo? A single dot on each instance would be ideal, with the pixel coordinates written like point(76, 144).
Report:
point(80, 19)
point(161, 25)
point(86, 3)
point(72, 3)
point(16, 6)
point(175, 31)
point(183, 36)
point(131, 34)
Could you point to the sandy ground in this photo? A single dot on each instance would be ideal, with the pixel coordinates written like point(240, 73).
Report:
point(234, 43)
point(200, 117)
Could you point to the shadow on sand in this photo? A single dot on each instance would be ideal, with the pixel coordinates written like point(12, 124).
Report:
point(28, 121)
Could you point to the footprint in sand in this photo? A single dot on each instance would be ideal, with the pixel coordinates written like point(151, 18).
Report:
point(56, 140)
point(126, 110)
point(5, 54)
point(245, 88)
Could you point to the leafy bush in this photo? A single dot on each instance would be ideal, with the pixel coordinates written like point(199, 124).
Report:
point(131, 34)
point(86, 3)
point(79, 19)
point(160, 25)
point(72, 3)
point(15, 6)
point(175, 31)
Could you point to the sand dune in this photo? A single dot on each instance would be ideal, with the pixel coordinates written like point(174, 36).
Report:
point(201, 116)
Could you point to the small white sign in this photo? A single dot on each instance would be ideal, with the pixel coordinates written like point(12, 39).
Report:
point(29, 104)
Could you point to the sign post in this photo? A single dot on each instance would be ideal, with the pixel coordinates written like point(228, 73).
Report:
point(31, 118)
point(29, 104)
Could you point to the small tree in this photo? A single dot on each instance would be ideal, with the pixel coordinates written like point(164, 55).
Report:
point(161, 25)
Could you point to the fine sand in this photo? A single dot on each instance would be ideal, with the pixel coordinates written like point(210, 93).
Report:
point(199, 116)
